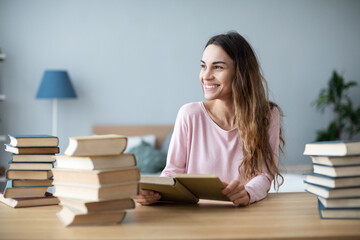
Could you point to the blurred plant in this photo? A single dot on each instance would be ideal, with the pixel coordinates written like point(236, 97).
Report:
point(347, 118)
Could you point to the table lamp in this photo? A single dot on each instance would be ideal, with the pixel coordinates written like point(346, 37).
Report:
point(55, 84)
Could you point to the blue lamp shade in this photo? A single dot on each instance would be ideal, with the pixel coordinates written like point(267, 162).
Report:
point(56, 84)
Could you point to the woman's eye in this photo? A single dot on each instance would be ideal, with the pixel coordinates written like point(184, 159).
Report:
point(218, 67)
point(203, 66)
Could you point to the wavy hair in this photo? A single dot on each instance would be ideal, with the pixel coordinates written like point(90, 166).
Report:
point(252, 107)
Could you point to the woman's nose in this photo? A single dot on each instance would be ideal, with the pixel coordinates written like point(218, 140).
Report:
point(207, 74)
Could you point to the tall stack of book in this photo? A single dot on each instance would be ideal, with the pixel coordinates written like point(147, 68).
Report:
point(29, 174)
point(95, 181)
point(336, 178)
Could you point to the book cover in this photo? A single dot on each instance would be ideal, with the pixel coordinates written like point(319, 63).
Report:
point(84, 206)
point(95, 192)
point(338, 171)
point(29, 183)
point(340, 202)
point(97, 145)
point(33, 140)
point(22, 192)
point(333, 148)
point(96, 177)
point(29, 174)
point(185, 187)
point(30, 166)
point(72, 217)
point(336, 161)
point(338, 213)
point(96, 162)
point(33, 158)
point(332, 182)
point(31, 150)
point(48, 199)
point(326, 192)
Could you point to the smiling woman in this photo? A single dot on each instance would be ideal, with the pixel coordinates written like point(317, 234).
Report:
point(236, 133)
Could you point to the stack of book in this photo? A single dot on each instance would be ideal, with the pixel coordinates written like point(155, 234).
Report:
point(95, 181)
point(336, 178)
point(29, 174)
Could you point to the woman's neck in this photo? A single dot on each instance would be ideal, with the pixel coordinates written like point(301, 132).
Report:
point(222, 113)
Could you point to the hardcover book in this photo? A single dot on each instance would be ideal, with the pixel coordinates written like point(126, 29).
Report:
point(30, 166)
point(96, 177)
point(29, 183)
point(185, 187)
point(339, 171)
point(340, 202)
point(332, 182)
point(95, 192)
point(338, 213)
point(333, 148)
point(96, 145)
point(336, 161)
point(96, 162)
point(33, 158)
point(31, 150)
point(29, 174)
point(326, 192)
point(21, 192)
point(49, 199)
point(72, 217)
point(33, 141)
point(84, 206)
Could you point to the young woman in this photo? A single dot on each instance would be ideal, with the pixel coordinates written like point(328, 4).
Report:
point(236, 133)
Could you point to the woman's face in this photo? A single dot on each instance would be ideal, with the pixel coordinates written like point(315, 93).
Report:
point(217, 73)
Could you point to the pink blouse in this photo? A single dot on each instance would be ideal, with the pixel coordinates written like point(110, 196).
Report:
point(199, 145)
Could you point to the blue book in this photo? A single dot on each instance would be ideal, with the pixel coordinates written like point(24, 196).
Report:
point(332, 182)
point(333, 148)
point(33, 141)
point(326, 192)
point(338, 213)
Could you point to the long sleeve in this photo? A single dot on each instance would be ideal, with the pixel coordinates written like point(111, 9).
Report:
point(176, 158)
point(259, 186)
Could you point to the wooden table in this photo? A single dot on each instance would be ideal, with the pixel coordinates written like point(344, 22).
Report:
point(282, 215)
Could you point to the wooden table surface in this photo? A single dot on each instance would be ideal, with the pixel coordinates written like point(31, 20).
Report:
point(281, 215)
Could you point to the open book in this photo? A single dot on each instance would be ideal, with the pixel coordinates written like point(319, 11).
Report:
point(187, 188)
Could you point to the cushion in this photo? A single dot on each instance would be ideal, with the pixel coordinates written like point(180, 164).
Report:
point(165, 145)
point(134, 141)
point(149, 159)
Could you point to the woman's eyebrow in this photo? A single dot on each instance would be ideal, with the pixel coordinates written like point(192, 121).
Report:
point(216, 62)
point(219, 62)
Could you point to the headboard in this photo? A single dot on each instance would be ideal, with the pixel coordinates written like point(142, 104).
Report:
point(160, 131)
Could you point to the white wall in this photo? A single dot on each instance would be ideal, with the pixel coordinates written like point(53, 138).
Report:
point(137, 62)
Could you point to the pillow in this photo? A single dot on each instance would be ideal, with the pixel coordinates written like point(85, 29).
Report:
point(149, 159)
point(165, 145)
point(134, 141)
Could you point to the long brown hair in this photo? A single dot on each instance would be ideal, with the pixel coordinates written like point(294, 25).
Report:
point(252, 107)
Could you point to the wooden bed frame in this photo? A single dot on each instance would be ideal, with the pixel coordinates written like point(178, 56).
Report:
point(160, 131)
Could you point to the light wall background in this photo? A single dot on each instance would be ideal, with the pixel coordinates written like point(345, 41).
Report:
point(137, 61)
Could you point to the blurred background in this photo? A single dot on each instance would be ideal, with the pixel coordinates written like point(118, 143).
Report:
point(138, 61)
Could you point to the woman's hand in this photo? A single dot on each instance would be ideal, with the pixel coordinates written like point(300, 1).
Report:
point(236, 192)
point(147, 197)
